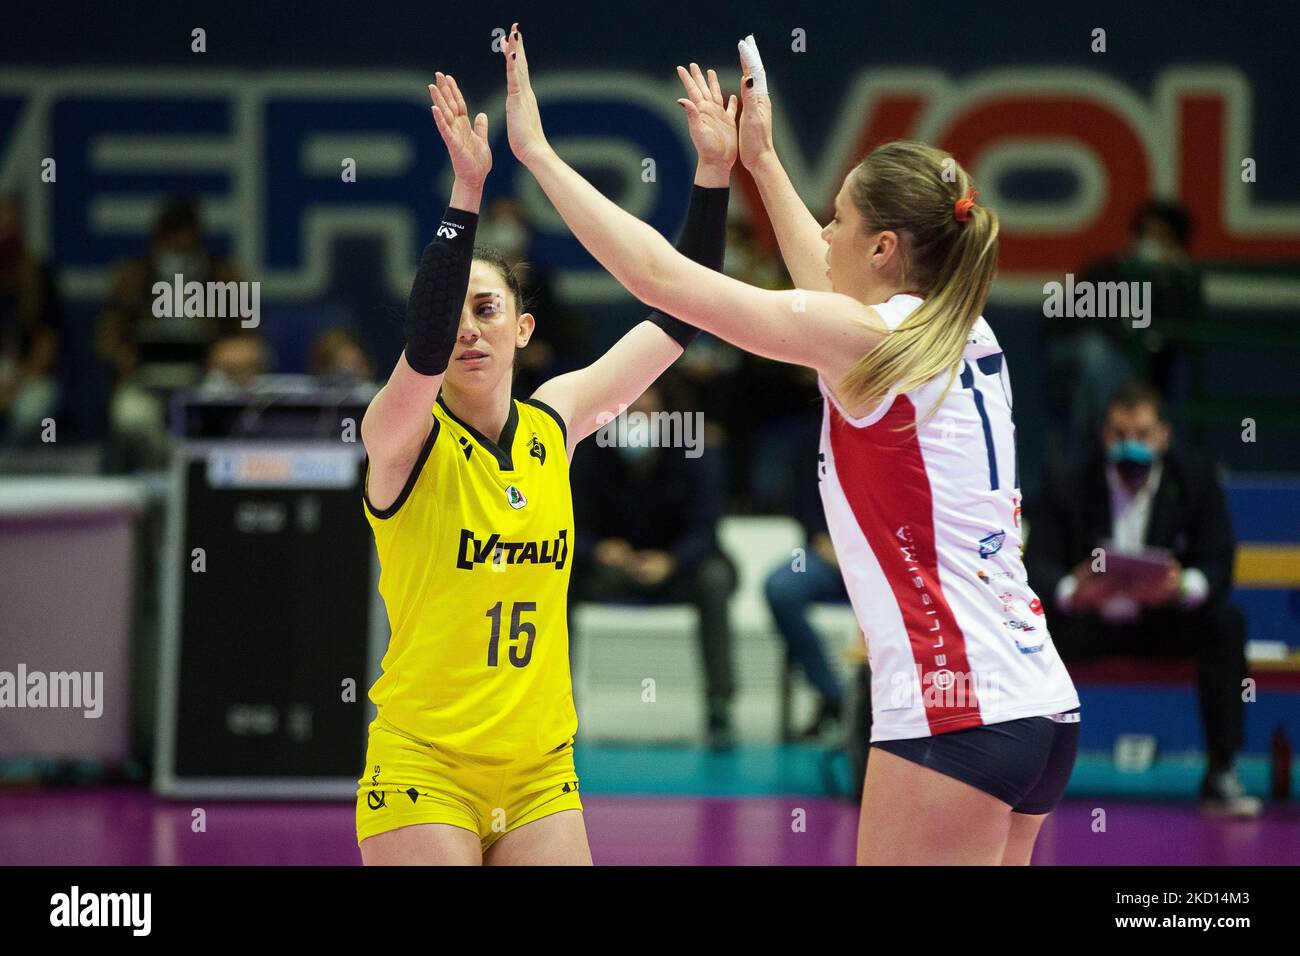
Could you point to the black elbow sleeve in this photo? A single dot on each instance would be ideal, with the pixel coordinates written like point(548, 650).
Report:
point(438, 293)
point(703, 240)
point(704, 236)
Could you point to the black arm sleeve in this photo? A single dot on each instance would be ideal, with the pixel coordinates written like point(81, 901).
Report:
point(438, 293)
point(703, 240)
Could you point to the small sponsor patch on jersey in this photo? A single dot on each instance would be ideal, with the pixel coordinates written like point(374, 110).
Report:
point(991, 543)
point(537, 450)
point(515, 497)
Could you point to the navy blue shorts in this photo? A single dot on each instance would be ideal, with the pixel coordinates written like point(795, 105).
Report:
point(1025, 763)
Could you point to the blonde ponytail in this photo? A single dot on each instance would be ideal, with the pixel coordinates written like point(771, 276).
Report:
point(902, 187)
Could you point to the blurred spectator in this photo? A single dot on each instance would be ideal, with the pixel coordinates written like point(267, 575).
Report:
point(748, 261)
point(151, 356)
point(756, 401)
point(557, 339)
point(782, 400)
point(791, 591)
point(1088, 358)
point(236, 359)
point(337, 356)
point(1162, 232)
point(1135, 493)
point(30, 320)
point(646, 529)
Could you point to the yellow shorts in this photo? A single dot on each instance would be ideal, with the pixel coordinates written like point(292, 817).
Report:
point(409, 781)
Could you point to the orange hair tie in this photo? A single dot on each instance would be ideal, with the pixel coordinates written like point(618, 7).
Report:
point(962, 207)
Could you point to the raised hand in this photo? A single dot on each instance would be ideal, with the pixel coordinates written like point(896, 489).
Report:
point(471, 157)
point(710, 117)
point(756, 117)
point(523, 120)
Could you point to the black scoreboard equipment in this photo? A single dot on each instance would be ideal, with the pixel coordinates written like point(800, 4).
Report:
point(272, 623)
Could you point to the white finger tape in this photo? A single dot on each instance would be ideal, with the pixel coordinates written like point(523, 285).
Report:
point(753, 63)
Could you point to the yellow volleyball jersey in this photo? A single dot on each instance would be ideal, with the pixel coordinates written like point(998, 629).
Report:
point(474, 560)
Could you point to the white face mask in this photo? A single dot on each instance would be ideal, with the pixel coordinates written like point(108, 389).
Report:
point(633, 444)
point(509, 238)
point(171, 264)
point(1149, 250)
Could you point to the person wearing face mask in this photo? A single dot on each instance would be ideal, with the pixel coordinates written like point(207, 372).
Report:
point(555, 346)
point(150, 357)
point(339, 358)
point(30, 316)
point(505, 229)
point(1088, 358)
point(646, 522)
point(1158, 254)
point(1136, 492)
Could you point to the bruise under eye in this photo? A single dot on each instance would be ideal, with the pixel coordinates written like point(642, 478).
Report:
point(493, 304)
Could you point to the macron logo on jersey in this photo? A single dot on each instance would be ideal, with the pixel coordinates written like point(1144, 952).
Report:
point(448, 230)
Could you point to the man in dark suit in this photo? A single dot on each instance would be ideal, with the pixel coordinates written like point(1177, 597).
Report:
point(645, 527)
point(1133, 493)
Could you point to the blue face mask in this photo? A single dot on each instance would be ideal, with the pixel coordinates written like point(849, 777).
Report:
point(1132, 459)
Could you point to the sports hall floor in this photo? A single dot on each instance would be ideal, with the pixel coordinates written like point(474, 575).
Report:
point(668, 805)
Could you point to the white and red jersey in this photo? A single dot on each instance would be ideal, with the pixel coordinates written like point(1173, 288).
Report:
point(923, 507)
